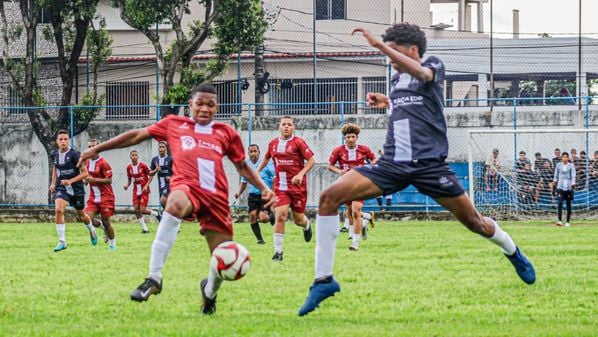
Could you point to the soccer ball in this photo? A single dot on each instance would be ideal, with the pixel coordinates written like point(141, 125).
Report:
point(230, 261)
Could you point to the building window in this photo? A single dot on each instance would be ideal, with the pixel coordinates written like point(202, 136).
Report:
point(45, 16)
point(331, 9)
point(127, 100)
point(373, 84)
point(299, 93)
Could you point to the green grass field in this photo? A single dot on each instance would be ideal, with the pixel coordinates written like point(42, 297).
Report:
point(408, 279)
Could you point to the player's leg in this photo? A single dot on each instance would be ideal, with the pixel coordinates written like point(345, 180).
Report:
point(147, 210)
point(59, 208)
point(569, 210)
point(106, 213)
point(462, 208)
point(138, 207)
point(349, 215)
point(78, 202)
point(352, 185)
point(346, 222)
point(209, 286)
point(255, 226)
point(560, 207)
point(178, 206)
point(486, 176)
point(356, 207)
point(281, 211)
point(298, 203)
point(368, 219)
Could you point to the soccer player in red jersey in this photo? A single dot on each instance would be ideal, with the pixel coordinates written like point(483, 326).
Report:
point(348, 156)
point(101, 196)
point(292, 160)
point(139, 174)
point(199, 186)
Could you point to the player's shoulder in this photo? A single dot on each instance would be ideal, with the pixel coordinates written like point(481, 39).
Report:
point(364, 148)
point(432, 59)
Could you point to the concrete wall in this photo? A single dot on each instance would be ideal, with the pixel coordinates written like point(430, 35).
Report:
point(24, 164)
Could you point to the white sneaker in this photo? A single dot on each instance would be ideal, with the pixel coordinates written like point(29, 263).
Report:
point(567, 224)
point(559, 223)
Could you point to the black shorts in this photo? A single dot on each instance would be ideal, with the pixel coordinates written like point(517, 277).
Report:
point(77, 201)
point(432, 177)
point(255, 202)
point(164, 191)
point(565, 195)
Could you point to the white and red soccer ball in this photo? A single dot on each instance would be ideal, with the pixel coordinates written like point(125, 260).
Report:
point(230, 261)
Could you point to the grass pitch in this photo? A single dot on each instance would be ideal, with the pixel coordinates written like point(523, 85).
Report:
point(408, 279)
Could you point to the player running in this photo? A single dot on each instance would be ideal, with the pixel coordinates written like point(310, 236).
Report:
point(348, 156)
point(68, 173)
point(414, 153)
point(292, 160)
point(255, 203)
point(162, 165)
point(139, 174)
point(101, 197)
point(199, 186)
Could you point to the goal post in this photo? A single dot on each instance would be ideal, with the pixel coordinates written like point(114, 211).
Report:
point(502, 185)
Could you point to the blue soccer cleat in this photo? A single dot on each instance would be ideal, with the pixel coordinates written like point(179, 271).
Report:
point(317, 293)
point(60, 246)
point(523, 267)
point(111, 248)
point(93, 238)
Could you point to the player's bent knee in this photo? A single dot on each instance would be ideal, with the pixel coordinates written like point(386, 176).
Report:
point(329, 201)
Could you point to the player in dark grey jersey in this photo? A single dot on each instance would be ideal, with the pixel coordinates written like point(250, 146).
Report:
point(414, 153)
point(67, 183)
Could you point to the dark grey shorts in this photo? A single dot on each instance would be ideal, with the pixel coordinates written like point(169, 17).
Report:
point(432, 177)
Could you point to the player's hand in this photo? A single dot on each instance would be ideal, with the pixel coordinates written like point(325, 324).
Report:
point(377, 100)
point(86, 181)
point(237, 195)
point(66, 182)
point(372, 41)
point(85, 155)
point(145, 188)
point(52, 188)
point(125, 187)
point(269, 198)
point(297, 179)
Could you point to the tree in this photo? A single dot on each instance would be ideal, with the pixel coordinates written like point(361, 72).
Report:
point(68, 30)
point(236, 25)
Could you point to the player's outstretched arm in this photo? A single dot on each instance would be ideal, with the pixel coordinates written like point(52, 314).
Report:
point(411, 66)
point(125, 139)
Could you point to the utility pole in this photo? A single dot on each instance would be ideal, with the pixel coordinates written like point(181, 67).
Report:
point(259, 80)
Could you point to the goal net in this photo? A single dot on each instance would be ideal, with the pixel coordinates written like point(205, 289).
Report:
point(511, 171)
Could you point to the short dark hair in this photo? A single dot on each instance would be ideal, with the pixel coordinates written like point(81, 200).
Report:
point(565, 154)
point(557, 149)
point(62, 132)
point(406, 34)
point(204, 87)
point(288, 117)
point(350, 128)
point(130, 153)
point(521, 152)
point(250, 145)
point(163, 142)
point(538, 154)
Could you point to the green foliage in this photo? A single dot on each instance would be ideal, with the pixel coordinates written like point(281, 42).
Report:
point(177, 94)
point(87, 109)
point(98, 43)
point(410, 278)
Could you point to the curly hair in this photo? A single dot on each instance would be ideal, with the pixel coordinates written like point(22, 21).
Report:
point(406, 34)
point(350, 128)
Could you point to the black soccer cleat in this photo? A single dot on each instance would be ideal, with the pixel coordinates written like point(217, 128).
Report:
point(146, 289)
point(277, 257)
point(145, 231)
point(344, 230)
point(271, 218)
point(307, 234)
point(261, 242)
point(209, 304)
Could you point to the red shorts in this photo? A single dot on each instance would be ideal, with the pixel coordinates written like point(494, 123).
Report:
point(211, 211)
point(105, 208)
point(140, 199)
point(350, 203)
point(296, 200)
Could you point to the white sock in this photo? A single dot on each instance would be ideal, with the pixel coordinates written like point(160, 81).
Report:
point(113, 242)
point(153, 213)
point(214, 283)
point(61, 230)
point(165, 237)
point(326, 233)
point(90, 227)
point(356, 238)
point(364, 223)
point(347, 223)
point(351, 228)
point(306, 228)
point(366, 216)
point(142, 223)
point(278, 238)
point(502, 239)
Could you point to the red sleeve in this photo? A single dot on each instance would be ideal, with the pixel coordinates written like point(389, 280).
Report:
point(235, 152)
point(333, 157)
point(107, 169)
point(128, 171)
point(304, 149)
point(371, 156)
point(146, 170)
point(159, 130)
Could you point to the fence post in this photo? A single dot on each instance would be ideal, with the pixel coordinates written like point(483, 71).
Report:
point(587, 182)
point(516, 201)
point(249, 122)
point(342, 119)
point(72, 118)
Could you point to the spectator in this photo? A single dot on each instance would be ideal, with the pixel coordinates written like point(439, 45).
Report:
point(539, 163)
point(556, 159)
point(491, 167)
point(581, 170)
point(564, 180)
point(545, 186)
point(573, 156)
point(521, 162)
point(594, 171)
point(529, 183)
